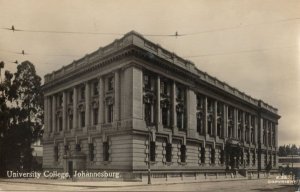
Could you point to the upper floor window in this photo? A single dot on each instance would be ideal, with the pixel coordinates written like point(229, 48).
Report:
point(165, 88)
point(179, 93)
point(60, 100)
point(96, 88)
point(110, 113)
point(148, 82)
point(110, 83)
point(210, 106)
point(200, 101)
point(82, 93)
point(70, 97)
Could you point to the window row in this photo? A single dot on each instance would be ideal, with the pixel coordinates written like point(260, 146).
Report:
point(91, 151)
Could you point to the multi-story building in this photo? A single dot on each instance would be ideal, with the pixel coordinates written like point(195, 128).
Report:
point(100, 110)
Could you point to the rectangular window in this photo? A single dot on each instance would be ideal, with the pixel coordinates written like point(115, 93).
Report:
point(110, 82)
point(169, 152)
point(212, 157)
point(60, 123)
point(60, 100)
point(91, 151)
point(105, 151)
point(71, 121)
point(56, 156)
point(180, 120)
point(222, 156)
point(82, 93)
point(82, 118)
point(110, 114)
point(183, 153)
point(200, 123)
point(147, 111)
point(96, 88)
point(147, 82)
point(95, 116)
point(71, 97)
point(202, 155)
point(152, 151)
point(165, 117)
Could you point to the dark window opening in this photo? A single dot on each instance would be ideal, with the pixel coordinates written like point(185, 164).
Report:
point(70, 121)
point(105, 151)
point(96, 88)
point(60, 123)
point(82, 116)
point(165, 117)
point(110, 83)
point(148, 114)
point(56, 156)
point(91, 151)
point(200, 124)
point(95, 113)
point(110, 113)
point(212, 159)
point(82, 93)
point(71, 97)
point(152, 151)
point(169, 152)
point(202, 155)
point(183, 153)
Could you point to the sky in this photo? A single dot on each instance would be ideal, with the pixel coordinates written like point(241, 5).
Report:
point(253, 45)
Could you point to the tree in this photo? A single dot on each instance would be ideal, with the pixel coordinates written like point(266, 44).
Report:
point(282, 151)
point(294, 150)
point(21, 117)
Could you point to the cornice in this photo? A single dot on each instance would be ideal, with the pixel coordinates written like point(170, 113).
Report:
point(136, 46)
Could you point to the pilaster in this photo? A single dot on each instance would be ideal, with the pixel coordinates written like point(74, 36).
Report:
point(75, 116)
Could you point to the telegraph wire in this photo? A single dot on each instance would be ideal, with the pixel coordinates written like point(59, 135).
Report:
point(176, 34)
point(26, 53)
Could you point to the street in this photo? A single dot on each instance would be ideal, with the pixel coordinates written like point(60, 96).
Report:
point(245, 185)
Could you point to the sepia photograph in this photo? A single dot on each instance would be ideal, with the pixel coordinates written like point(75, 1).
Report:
point(150, 95)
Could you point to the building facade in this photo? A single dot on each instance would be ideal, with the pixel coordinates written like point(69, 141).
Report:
point(101, 109)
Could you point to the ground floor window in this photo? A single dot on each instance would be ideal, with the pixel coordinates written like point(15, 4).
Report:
point(169, 152)
point(105, 151)
point(152, 150)
point(82, 118)
point(56, 155)
point(183, 153)
point(91, 151)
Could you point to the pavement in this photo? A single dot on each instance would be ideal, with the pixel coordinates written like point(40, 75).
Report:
point(224, 186)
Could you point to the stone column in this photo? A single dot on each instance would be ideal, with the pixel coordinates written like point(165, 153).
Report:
point(255, 130)
point(87, 104)
point(46, 106)
point(49, 114)
point(117, 96)
point(225, 116)
point(205, 116)
point(64, 112)
point(174, 120)
point(243, 127)
point(215, 118)
point(235, 125)
point(191, 113)
point(158, 112)
point(101, 101)
point(54, 126)
point(276, 135)
point(75, 116)
point(261, 130)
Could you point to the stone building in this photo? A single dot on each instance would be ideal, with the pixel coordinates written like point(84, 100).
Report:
point(100, 110)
